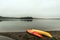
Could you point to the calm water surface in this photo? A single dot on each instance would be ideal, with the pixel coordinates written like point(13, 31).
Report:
point(20, 26)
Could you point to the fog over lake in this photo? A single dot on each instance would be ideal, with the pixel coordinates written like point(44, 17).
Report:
point(32, 8)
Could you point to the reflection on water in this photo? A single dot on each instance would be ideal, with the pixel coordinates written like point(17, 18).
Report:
point(17, 26)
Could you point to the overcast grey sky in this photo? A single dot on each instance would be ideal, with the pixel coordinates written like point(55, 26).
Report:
point(34, 8)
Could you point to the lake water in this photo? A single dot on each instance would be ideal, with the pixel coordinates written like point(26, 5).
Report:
point(20, 26)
